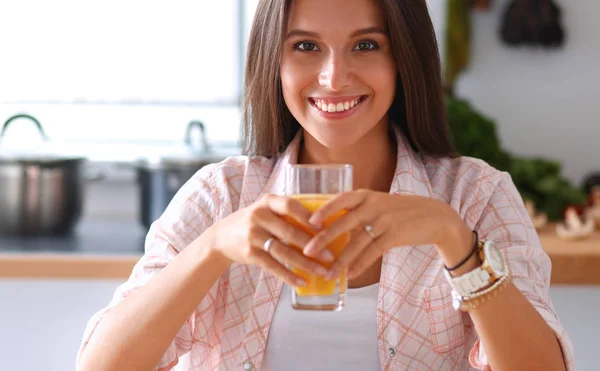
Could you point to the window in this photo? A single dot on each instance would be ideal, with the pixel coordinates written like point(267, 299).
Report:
point(113, 70)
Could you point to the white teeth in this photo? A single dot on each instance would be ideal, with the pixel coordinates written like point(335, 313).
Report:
point(335, 107)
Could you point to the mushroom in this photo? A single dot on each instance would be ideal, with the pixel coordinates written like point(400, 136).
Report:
point(575, 227)
point(539, 219)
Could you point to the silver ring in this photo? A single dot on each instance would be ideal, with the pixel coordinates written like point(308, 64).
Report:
point(369, 230)
point(267, 245)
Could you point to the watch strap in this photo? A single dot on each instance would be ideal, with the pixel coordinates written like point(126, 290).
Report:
point(471, 282)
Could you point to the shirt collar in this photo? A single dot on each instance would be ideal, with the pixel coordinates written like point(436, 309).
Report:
point(410, 176)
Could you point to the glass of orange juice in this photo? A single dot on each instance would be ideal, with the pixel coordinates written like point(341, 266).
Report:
point(313, 186)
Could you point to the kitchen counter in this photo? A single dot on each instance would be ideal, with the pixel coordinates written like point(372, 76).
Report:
point(97, 249)
point(573, 262)
point(109, 249)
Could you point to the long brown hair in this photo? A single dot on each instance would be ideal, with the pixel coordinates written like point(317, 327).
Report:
point(418, 107)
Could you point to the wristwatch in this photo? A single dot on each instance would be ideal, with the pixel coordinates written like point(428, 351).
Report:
point(485, 277)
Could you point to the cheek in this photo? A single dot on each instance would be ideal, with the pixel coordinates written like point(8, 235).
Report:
point(294, 78)
point(380, 74)
point(385, 77)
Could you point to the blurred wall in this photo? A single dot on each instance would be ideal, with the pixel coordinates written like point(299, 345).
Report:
point(544, 102)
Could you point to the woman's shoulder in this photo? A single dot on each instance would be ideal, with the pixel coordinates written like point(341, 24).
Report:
point(235, 166)
point(462, 174)
point(231, 173)
point(216, 188)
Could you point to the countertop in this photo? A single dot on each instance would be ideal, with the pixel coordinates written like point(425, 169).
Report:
point(97, 249)
point(108, 249)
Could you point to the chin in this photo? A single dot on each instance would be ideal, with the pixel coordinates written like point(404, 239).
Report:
point(335, 138)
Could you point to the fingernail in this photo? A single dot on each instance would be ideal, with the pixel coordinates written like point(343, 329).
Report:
point(321, 271)
point(331, 274)
point(315, 222)
point(326, 256)
point(300, 282)
point(308, 250)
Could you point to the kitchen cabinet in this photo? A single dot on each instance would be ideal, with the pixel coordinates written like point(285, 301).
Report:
point(42, 321)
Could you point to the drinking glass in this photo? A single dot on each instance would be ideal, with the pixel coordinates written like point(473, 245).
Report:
point(313, 186)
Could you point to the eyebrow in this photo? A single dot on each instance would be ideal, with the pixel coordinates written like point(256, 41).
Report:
point(362, 31)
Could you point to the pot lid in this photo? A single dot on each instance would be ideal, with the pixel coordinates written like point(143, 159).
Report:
point(39, 150)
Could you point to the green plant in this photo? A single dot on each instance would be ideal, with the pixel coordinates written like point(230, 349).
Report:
point(458, 40)
point(537, 179)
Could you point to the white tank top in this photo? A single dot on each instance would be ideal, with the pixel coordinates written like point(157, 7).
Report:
point(324, 341)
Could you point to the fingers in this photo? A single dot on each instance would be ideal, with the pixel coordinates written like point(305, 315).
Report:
point(365, 259)
point(355, 219)
point(293, 257)
point(360, 241)
point(348, 201)
point(286, 255)
point(267, 262)
point(292, 231)
point(285, 206)
point(277, 227)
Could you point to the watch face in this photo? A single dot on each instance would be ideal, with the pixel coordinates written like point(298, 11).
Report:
point(494, 258)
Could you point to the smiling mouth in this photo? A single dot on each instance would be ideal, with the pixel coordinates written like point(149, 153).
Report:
point(334, 107)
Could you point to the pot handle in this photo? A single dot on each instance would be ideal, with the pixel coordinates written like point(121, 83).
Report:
point(22, 115)
point(188, 135)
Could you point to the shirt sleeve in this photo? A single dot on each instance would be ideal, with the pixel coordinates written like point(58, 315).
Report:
point(190, 212)
point(505, 221)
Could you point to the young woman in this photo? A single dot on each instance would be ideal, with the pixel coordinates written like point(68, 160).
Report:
point(327, 82)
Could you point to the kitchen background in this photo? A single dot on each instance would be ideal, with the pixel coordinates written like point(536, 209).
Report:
point(117, 81)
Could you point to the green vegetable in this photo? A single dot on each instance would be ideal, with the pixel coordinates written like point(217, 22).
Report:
point(537, 179)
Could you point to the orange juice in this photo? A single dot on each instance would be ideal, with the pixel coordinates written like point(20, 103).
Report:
point(317, 285)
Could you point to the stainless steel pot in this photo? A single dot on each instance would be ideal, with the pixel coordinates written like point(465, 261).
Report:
point(158, 185)
point(160, 178)
point(40, 194)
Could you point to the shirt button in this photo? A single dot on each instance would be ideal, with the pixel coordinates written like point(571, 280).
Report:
point(248, 366)
point(392, 351)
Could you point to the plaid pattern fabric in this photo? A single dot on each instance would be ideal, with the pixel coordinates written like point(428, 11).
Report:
point(417, 327)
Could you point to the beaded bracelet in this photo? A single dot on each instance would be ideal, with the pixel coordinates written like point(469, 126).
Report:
point(472, 301)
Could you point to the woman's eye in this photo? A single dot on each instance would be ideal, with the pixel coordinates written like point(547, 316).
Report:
point(306, 46)
point(366, 45)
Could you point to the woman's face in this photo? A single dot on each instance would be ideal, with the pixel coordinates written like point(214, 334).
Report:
point(337, 70)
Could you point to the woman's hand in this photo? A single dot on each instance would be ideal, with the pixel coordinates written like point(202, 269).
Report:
point(241, 238)
point(393, 220)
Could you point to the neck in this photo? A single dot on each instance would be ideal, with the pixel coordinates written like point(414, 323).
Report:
point(373, 158)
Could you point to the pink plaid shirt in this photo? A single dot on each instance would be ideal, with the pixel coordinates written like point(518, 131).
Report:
point(416, 325)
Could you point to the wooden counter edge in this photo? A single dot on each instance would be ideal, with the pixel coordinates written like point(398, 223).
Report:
point(46, 266)
point(573, 263)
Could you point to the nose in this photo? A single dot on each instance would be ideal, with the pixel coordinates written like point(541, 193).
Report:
point(335, 73)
